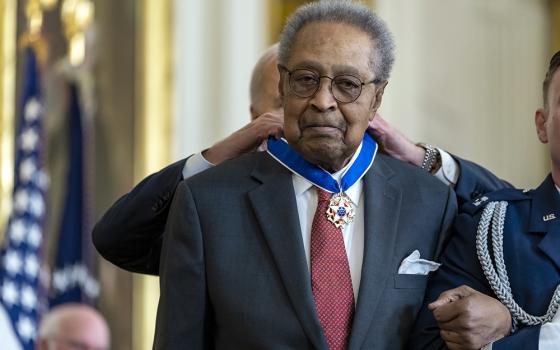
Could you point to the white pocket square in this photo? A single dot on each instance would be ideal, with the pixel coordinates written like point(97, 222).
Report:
point(413, 265)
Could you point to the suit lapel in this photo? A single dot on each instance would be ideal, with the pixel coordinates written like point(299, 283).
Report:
point(545, 218)
point(276, 210)
point(382, 203)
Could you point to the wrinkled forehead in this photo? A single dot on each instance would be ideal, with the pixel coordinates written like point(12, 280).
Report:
point(330, 48)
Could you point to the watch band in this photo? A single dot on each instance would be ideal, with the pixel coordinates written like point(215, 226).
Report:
point(430, 157)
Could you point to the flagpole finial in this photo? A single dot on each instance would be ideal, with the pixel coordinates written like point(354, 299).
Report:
point(34, 10)
point(48, 4)
point(77, 16)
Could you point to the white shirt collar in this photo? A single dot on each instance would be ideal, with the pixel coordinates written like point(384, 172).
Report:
point(301, 184)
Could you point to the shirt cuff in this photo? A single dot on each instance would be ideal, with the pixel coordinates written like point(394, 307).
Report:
point(549, 337)
point(449, 171)
point(195, 164)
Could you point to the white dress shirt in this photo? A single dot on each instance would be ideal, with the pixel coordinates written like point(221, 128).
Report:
point(449, 171)
point(195, 164)
point(549, 337)
point(353, 233)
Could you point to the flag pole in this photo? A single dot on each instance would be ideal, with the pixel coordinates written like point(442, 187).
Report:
point(8, 14)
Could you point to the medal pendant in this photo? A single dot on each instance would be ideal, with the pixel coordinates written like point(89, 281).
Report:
point(340, 211)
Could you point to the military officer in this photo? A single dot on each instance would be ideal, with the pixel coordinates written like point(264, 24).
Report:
point(506, 245)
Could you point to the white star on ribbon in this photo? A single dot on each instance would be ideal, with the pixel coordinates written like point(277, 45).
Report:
point(42, 180)
point(12, 262)
point(32, 110)
point(26, 328)
point(17, 231)
point(37, 205)
point(21, 200)
point(60, 281)
point(79, 273)
point(28, 298)
point(29, 139)
point(34, 236)
point(10, 294)
point(91, 287)
point(31, 266)
point(27, 169)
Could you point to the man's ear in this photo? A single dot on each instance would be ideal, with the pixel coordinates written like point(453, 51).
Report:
point(541, 117)
point(378, 97)
point(254, 114)
point(281, 83)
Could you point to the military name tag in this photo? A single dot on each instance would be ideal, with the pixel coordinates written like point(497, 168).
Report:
point(340, 210)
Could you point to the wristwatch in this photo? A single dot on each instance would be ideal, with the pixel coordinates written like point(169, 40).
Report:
point(432, 159)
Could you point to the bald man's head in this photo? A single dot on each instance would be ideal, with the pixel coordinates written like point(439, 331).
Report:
point(73, 326)
point(264, 84)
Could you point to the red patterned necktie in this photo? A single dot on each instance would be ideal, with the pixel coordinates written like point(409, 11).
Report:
point(330, 277)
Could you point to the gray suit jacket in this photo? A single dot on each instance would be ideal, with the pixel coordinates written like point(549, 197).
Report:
point(233, 272)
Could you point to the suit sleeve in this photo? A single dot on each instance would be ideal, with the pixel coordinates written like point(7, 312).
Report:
point(475, 181)
point(460, 266)
point(184, 314)
point(447, 222)
point(130, 233)
point(524, 339)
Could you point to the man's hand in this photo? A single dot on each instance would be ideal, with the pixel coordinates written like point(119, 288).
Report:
point(469, 319)
point(246, 139)
point(395, 144)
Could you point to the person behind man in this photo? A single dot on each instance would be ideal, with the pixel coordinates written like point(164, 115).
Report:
point(477, 319)
point(130, 233)
point(73, 326)
point(507, 246)
point(275, 250)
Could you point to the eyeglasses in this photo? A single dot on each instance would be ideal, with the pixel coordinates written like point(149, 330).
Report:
point(345, 88)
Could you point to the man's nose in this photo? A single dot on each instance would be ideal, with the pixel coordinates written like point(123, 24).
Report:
point(323, 99)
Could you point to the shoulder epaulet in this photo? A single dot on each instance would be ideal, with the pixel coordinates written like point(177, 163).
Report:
point(506, 194)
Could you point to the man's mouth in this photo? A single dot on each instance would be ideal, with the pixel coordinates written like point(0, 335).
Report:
point(321, 129)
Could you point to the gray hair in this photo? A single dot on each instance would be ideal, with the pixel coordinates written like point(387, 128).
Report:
point(341, 11)
point(258, 75)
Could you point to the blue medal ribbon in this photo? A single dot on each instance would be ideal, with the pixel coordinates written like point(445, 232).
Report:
point(288, 157)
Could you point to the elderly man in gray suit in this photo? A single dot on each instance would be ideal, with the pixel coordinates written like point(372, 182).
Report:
point(320, 243)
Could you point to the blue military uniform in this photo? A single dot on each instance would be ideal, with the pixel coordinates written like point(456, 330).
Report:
point(531, 247)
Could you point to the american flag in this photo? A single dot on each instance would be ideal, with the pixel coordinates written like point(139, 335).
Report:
point(21, 295)
point(73, 277)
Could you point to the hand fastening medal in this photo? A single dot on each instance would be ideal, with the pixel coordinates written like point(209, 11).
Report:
point(340, 210)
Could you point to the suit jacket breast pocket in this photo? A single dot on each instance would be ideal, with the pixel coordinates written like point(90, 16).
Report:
point(404, 281)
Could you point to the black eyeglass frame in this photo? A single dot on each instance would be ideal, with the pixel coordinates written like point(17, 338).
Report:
point(319, 77)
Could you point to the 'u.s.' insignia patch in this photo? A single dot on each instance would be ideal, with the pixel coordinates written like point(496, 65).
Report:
point(480, 200)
